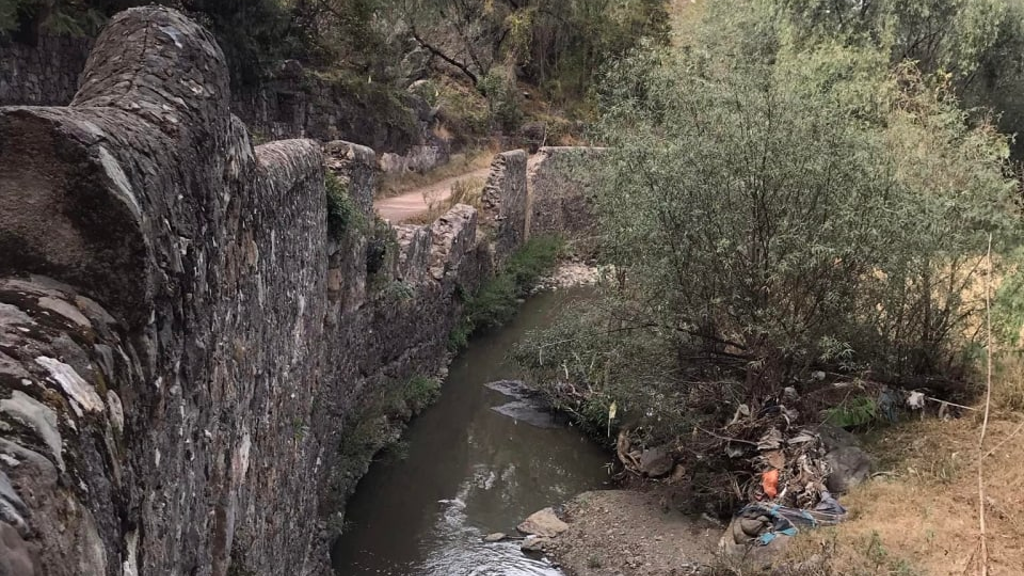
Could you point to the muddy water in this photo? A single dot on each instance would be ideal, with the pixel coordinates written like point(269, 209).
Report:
point(477, 462)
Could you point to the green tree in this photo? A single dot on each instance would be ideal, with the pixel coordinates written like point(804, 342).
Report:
point(809, 208)
point(978, 43)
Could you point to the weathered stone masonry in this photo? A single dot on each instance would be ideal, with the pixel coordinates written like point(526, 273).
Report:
point(559, 200)
point(292, 103)
point(180, 343)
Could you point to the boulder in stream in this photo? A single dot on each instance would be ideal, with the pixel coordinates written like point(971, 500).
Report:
point(543, 523)
point(535, 544)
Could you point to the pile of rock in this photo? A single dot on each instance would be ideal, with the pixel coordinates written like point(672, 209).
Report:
point(540, 529)
point(572, 274)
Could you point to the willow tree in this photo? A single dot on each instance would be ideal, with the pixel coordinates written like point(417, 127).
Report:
point(813, 208)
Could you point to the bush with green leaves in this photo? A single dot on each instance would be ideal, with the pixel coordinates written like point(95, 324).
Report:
point(341, 209)
point(814, 207)
point(978, 44)
point(497, 301)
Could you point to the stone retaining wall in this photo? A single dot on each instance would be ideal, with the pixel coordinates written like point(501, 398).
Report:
point(42, 75)
point(504, 203)
point(181, 344)
point(294, 103)
point(560, 201)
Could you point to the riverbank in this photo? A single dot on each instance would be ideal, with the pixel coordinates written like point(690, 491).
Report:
point(616, 532)
point(918, 516)
point(474, 463)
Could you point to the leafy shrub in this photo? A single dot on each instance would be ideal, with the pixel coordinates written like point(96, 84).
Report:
point(377, 246)
point(772, 209)
point(854, 412)
point(1008, 301)
point(497, 301)
point(420, 392)
point(760, 211)
point(503, 100)
point(341, 210)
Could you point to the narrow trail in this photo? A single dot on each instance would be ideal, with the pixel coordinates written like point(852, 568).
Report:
point(414, 202)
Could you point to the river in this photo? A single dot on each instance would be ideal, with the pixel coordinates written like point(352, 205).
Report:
point(466, 470)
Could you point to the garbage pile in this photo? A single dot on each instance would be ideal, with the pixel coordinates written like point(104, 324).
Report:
point(798, 470)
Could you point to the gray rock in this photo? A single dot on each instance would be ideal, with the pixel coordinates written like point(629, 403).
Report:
point(543, 523)
point(528, 412)
point(656, 462)
point(535, 544)
point(496, 537)
point(834, 437)
point(850, 467)
point(17, 557)
point(37, 416)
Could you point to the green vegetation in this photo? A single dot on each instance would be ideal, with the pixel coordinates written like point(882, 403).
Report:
point(856, 411)
point(374, 426)
point(497, 301)
point(341, 209)
point(467, 60)
point(783, 196)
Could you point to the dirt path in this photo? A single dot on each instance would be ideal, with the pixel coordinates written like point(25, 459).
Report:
point(414, 202)
point(627, 533)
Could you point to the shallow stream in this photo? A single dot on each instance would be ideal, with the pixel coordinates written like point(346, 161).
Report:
point(477, 462)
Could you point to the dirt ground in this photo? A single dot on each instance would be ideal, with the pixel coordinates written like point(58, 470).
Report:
point(917, 517)
point(621, 532)
point(920, 515)
point(416, 202)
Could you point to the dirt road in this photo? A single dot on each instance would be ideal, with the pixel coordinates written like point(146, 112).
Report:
point(414, 202)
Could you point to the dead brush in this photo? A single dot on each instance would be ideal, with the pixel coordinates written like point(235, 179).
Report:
point(1008, 394)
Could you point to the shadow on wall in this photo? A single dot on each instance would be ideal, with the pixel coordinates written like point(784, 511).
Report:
point(181, 342)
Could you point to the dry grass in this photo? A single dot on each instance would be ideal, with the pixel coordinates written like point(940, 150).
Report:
point(684, 16)
point(396, 184)
point(467, 191)
point(1008, 393)
point(921, 518)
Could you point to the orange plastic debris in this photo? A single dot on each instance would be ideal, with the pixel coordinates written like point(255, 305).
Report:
point(770, 483)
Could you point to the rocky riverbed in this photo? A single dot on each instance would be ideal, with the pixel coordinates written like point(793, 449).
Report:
point(572, 274)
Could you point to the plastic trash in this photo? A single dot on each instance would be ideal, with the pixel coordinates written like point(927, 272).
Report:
point(770, 483)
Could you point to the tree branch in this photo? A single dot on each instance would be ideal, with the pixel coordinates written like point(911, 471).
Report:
point(437, 52)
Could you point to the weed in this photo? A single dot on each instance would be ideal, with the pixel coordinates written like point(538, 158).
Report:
point(341, 210)
point(854, 412)
point(398, 292)
point(497, 301)
point(1008, 391)
point(299, 429)
point(420, 392)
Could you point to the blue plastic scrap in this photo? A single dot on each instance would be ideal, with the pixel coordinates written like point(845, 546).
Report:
point(784, 521)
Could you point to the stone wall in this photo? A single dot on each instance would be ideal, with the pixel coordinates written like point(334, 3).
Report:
point(42, 75)
point(295, 103)
point(181, 344)
point(559, 198)
point(504, 203)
